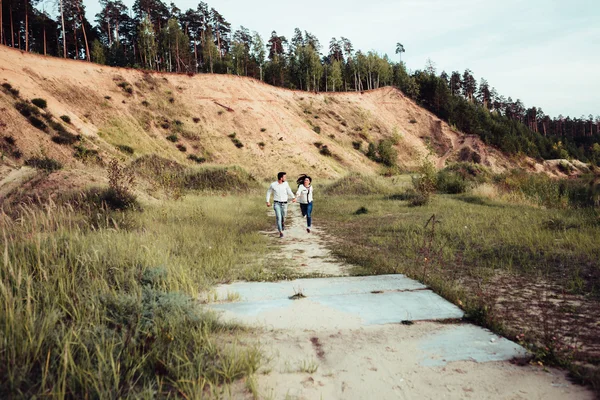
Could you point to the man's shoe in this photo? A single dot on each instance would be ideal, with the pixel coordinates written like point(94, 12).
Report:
point(308, 230)
point(280, 234)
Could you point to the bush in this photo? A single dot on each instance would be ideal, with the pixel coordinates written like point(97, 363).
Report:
point(263, 129)
point(372, 152)
point(361, 210)
point(65, 138)
point(37, 123)
point(419, 199)
point(232, 135)
point(237, 143)
point(181, 148)
point(357, 145)
point(145, 103)
point(425, 183)
point(387, 154)
point(324, 150)
point(317, 129)
point(220, 179)
point(121, 181)
point(125, 149)
point(172, 138)
point(45, 163)
point(84, 154)
point(318, 145)
point(450, 182)
point(41, 103)
point(196, 120)
point(8, 87)
point(126, 87)
point(66, 119)
point(26, 109)
point(10, 140)
point(196, 158)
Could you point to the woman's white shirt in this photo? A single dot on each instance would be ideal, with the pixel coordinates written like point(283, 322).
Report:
point(304, 195)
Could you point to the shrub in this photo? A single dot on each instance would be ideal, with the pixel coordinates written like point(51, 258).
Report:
point(86, 155)
point(232, 135)
point(332, 136)
point(387, 154)
point(10, 140)
point(419, 199)
point(196, 158)
point(107, 97)
point(165, 124)
point(181, 148)
point(357, 145)
point(196, 120)
point(126, 87)
point(37, 123)
point(65, 138)
point(26, 109)
point(237, 143)
point(317, 129)
point(566, 168)
point(263, 129)
point(361, 210)
point(47, 116)
point(125, 149)
point(44, 163)
point(425, 183)
point(172, 138)
point(325, 151)
point(8, 87)
point(413, 121)
point(318, 145)
point(145, 103)
point(450, 182)
point(41, 103)
point(220, 179)
point(66, 119)
point(121, 181)
point(178, 122)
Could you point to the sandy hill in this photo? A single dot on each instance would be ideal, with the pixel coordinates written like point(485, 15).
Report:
point(222, 119)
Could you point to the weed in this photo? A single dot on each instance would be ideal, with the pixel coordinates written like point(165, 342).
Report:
point(127, 88)
point(308, 366)
point(196, 159)
point(361, 210)
point(44, 163)
point(37, 123)
point(125, 149)
point(324, 150)
point(86, 155)
point(66, 119)
point(40, 103)
point(8, 87)
point(172, 138)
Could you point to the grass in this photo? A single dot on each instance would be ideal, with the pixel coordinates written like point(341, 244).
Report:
point(515, 267)
point(110, 310)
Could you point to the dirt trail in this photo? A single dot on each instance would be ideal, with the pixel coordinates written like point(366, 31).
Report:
point(317, 352)
point(306, 253)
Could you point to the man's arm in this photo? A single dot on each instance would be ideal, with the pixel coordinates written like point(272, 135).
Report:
point(290, 193)
point(269, 190)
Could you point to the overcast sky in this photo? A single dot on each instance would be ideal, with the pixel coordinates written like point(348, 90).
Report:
point(544, 52)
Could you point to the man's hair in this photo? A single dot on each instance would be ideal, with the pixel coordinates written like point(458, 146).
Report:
point(280, 175)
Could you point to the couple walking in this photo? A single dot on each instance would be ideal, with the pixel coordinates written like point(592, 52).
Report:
point(282, 193)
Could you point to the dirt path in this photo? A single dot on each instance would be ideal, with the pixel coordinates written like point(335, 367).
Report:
point(305, 252)
point(330, 345)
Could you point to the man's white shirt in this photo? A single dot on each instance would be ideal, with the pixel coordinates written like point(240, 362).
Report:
point(281, 191)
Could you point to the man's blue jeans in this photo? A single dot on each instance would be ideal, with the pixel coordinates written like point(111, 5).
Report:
point(306, 212)
point(280, 214)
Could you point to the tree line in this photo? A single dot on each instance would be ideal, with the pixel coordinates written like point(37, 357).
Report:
point(155, 36)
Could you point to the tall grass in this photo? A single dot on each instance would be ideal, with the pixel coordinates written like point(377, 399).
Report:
point(107, 307)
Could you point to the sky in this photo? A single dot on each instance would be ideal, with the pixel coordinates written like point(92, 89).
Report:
point(544, 52)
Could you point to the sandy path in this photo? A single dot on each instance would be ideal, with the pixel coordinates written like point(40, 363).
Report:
point(315, 352)
point(306, 253)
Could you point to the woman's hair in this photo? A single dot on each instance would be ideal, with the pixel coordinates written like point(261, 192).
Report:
point(301, 179)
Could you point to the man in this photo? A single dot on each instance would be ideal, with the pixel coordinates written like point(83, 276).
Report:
point(281, 193)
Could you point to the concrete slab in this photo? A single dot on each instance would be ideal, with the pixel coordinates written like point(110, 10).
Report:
point(467, 343)
point(257, 291)
point(348, 302)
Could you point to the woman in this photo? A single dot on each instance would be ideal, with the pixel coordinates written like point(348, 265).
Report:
point(304, 196)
